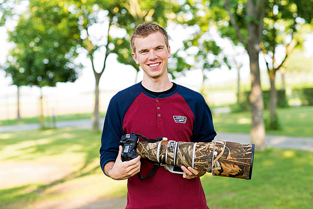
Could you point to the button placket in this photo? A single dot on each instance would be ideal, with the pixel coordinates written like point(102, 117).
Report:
point(158, 111)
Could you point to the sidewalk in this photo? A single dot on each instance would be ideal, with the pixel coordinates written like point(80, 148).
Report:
point(83, 124)
point(286, 142)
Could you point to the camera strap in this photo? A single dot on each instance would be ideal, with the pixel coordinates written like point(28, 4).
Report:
point(153, 170)
point(147, 139)
point(155, 164)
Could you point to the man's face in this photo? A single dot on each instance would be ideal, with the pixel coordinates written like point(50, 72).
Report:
point(152, 54)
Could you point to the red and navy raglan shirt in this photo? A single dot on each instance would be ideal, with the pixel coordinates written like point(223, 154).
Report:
point(181, 115)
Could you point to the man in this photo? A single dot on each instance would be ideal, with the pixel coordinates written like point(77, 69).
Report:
point(155, 108)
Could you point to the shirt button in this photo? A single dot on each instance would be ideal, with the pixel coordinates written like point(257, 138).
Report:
point(159, 115)
point(157, 100)
point(158, 108)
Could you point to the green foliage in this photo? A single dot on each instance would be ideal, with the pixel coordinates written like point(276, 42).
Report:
point(139, 12)
point(305, 95)
point(222, 19)
point(200, 50)
point(281, 99)
point(45, 51)
point(8, 10)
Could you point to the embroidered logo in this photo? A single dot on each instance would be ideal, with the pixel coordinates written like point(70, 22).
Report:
point(180, 119)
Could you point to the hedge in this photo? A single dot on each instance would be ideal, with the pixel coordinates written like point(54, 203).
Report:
point(281, 99)
point(305, 95)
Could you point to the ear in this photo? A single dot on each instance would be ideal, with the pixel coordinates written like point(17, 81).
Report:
point(169, 51)
point(135, 58)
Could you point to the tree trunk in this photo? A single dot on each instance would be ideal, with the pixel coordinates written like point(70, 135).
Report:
point(18, 105)
point(273, 97)
point(283, 82)
point(238, 85)
point(95, 118)
point(42, 120)
point(256, 99)
point(202, 86)
point(136, 76)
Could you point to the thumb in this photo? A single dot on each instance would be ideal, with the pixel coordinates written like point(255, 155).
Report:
point(119, 157)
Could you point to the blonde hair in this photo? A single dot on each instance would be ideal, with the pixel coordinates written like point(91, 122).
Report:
point(145, 30)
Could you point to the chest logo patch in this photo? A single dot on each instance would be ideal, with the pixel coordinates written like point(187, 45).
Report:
point(180, 119)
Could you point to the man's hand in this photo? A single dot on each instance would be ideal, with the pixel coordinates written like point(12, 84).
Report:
point(120, 170)
point(191, 173)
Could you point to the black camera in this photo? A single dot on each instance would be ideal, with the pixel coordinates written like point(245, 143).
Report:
point(129, 144)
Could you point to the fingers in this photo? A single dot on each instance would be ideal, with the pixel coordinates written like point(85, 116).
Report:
point(189, 173)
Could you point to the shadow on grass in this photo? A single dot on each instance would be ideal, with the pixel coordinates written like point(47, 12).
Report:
point(32, 145)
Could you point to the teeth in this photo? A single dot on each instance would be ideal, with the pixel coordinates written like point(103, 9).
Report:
point(153, 65)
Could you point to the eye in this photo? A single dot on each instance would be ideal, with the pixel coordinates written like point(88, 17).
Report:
point(143, 51)
point(159, 48)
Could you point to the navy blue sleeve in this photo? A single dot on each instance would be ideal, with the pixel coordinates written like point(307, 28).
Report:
point(113, 124)
point(203, 129)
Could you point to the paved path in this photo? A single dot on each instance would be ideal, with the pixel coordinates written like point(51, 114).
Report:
point(270, 140)
point(286, 142)
point(84, 124)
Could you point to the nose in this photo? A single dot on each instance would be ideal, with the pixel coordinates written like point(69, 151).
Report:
point(152, 55)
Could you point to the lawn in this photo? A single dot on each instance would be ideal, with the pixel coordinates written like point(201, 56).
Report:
point(47, 168)
point(295, 121)
point(60, 169)
point(280, 179)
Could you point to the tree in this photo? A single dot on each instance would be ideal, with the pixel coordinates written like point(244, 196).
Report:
point(99, 28)
point(235, 61)
point(12, 69)
point(246, 19)
point(118, 17)
point(284, 25)
point(43, 57)
point(8, 10)
point(200, 50)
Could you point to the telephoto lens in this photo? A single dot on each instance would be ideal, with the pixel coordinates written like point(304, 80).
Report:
point(229, 159)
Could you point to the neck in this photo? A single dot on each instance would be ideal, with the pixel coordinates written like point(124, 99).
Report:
point(157, 85)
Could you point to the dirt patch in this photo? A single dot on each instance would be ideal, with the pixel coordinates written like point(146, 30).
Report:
point(13, 174)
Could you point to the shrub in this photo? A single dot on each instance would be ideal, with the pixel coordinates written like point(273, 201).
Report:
point(305, 95)
point(281, 99)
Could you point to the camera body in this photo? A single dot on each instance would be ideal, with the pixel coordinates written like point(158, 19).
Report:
point(129, 144)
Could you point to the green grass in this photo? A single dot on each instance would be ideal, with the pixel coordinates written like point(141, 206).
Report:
point(71, 154)
point(280, 178)
point(295, 121)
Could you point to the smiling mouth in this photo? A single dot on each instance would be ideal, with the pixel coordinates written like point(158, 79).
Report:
point(154, 65)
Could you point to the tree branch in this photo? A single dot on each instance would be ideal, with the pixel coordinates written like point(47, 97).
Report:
point(289, 49)
point(107, 50)
point(233, 22)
